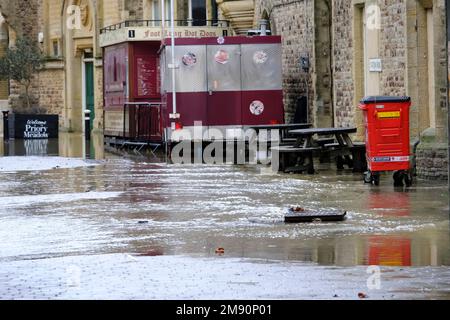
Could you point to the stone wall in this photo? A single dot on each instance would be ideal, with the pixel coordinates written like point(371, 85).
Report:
point(111, 13)
point(24, 18)
point(294, 21)
point(343, 52)
point(22, 15)
point(4, 86)
point(432, 161)
point(393, 48)
point(51, 89)
point(133, 9)
point(401, 49)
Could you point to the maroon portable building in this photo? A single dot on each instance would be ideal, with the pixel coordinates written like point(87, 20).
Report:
point(222, 82)
point(132, 91)
point(226, 82)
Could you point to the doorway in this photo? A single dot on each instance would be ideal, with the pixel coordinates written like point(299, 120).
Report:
point(88, 87)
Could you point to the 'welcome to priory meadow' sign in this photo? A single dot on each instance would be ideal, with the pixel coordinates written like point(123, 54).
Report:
point(28, 126)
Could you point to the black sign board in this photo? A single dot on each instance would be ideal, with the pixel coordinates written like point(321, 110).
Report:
point(29, 126)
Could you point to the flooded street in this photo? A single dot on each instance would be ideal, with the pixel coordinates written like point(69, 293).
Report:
point(170, 219)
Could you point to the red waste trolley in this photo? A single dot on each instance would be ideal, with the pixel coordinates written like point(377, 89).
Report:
point(387, 138)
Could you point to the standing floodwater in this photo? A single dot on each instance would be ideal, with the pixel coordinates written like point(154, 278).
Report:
point(148, 210)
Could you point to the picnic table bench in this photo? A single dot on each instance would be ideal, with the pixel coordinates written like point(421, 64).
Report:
point(301, 153)
point(293, 159)
point(276, 133)
point(281, 129)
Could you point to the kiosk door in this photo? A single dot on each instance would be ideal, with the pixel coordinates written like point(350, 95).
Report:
point(224, 85)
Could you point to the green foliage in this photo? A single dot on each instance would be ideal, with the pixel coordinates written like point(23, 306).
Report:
point(21, 62)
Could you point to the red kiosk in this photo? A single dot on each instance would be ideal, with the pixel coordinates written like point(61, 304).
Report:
point(224, 82)
point(387, 138)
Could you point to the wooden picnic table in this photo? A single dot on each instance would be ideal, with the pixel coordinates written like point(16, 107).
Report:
point(281, 139)
point(283, 129)
point(291, 126)
point(305, 137)
point(305, 145)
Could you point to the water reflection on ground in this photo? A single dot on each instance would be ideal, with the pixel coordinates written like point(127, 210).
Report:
point(70, 145)
point(149, 209)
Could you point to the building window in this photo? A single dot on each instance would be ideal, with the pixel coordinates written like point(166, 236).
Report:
point(156, 11)
point(55, 48)
point(214, 13)
point(199, 12)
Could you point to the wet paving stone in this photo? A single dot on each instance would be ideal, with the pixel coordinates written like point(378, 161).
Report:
point(61, 223)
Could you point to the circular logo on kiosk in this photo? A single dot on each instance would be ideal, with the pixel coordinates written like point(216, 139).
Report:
point(257, 107)
point(189, 59)
point(260, 57)
point(222, 57)
point(220, 40)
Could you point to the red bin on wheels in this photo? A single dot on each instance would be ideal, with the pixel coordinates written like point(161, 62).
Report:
point(387, 138)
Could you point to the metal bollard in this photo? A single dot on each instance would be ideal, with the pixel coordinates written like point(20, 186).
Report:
point(87, 124)
point(5, 125)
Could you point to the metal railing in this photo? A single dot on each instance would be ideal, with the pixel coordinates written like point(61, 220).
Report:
point(143, 120)
point(157, 23)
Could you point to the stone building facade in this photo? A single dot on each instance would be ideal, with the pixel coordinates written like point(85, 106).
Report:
point(4, 85)
point(343, 39)
point(68, 32)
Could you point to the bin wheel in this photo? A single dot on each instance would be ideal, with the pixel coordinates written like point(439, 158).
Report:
point(372, 177)
point(376, 178)
point(403, 176)
point(398, 178)
point(408, 177)
point(340, 163)
point(368, 177)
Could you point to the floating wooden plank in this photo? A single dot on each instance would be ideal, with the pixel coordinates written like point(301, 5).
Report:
point(293, 216)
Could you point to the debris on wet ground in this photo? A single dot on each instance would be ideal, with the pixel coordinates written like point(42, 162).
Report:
point(362, 295)
point(151, 253)
point(294, 215)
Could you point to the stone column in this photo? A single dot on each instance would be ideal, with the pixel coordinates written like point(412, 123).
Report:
point(432, 152)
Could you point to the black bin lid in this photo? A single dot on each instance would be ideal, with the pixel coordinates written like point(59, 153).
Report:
point(384, 99)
